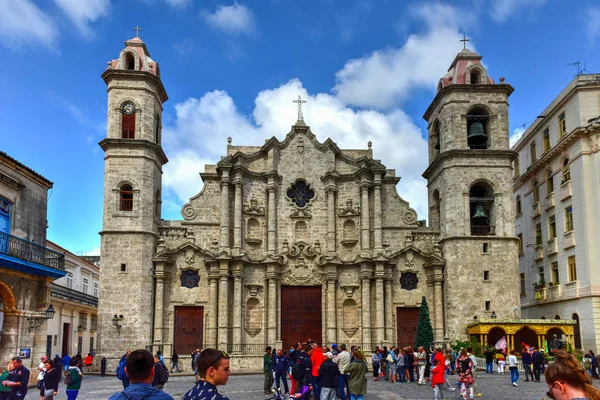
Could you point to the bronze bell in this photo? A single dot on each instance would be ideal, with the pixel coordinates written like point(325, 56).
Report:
point(479, 212)
point(477, 134)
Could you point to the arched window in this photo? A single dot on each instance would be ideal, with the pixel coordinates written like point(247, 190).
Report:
point(577, 329)
point(475, 77)
point(477, 128)
point(128, 120)
point(435, 136)
point(566, 171)
point(126, 200)
point(129, 61)
point(557, 316)
point(518, 204)
point(481, 207)
point(434, 210)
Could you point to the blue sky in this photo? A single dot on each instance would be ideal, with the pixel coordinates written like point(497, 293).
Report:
point(367, 68)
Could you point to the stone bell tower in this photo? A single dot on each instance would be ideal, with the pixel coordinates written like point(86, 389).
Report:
point(132, 198)
point(470, 194)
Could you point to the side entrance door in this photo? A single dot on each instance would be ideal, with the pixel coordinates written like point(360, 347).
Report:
point(189, 329)
point(407, 320)
point(66, 347)
point(301, 315)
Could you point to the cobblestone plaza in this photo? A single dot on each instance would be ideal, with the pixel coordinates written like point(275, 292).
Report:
point(246, 387)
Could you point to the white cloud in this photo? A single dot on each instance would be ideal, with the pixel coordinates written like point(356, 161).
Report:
point(199, 135)
point(94, 252)
point(84, 13)
point(516, 135)
point(23, 23)
point(234, 20)
point(178, 3)
point(385, 77)
point(501, 10)
point(592, 23)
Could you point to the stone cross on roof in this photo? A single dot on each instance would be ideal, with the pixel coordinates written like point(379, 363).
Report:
point(137, 30)
point(300, 101)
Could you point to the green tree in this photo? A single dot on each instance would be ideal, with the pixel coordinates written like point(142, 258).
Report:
point(424, 329)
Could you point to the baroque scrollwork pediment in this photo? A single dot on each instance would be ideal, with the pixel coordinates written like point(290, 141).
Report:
point(301, 273)
point(301, 250)
point(253, 208)
point(301, 214)
point(349, 210)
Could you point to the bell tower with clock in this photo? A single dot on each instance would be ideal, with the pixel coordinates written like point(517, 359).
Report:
point(133, 164)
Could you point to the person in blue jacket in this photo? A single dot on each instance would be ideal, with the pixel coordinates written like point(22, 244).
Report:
point(280, 366)
point(139, 367)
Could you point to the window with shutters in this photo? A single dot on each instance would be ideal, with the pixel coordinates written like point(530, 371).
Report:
point(533, 152)
point(546, 140)
point(538, 234)
point(549, 183)
point(128, 126)
point(518, 202)
point(572, 268)
point(566, 171)
point(562, 125)
point(568, 219)
point(126, 198)
point(551, 227)
point(554, 271)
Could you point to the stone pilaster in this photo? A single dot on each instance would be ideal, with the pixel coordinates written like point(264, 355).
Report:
point(237, 217)
point(160, 275)
point(224, 243)
point(271, 220)
point(435, 280)
point(466, 218)
point(378, 231)
point(365, 275)
point(237, 303)
point(223, 320)
point(213, 306)
point(365, 237)
point(272, 305)
point(330, 219)
point(389, 312)
point(379, 305)
point(331, 308)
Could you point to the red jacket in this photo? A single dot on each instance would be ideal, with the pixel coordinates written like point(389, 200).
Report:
point(437, 375)
point(316, 358)
point(440, 357)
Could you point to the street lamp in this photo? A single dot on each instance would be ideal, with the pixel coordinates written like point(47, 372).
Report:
point(115, 320)
point(37, 320)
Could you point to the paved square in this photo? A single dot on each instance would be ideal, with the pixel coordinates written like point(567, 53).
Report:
point(246, 387)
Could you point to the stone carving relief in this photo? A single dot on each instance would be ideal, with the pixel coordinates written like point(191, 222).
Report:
point(301, 273)
point(254, 290)
point(410, 217)
point(188, 212)
point(253, 208)
point(190, 257)
point(409, 259)
point(349, 210)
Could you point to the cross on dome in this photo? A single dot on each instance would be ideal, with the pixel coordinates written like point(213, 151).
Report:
point(137, 30)
point(300, 101)
point(464, 40)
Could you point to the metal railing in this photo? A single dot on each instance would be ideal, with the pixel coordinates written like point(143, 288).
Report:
point(64, 292)
point(28, 251)
point(482, 230)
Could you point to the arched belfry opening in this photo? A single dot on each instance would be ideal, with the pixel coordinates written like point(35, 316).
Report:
point(435, 137)
point(434, 210)
point(475, 77)
point(478, 128)
point(129, 61)
point(481, 198)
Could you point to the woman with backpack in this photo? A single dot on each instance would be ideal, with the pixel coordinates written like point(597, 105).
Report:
point(357, 381)
point(73, 377)
point(464, 367)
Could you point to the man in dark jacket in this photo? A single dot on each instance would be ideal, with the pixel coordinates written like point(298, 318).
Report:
point(280, 366)
point(161, 373)
point(328, 375)
point(526, 360)
point(538, 360)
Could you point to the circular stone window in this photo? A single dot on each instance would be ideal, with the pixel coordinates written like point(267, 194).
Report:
point(300, 193)
point(189, 279)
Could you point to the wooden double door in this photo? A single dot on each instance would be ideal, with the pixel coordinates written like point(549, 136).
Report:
point(301, 315)
point(407, 319)
point(189, 329)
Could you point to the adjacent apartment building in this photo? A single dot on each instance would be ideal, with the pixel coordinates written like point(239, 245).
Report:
point(75, 299)
point(557, 201)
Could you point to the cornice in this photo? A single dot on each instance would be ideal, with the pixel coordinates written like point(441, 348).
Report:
point(467, 153)
point(108, 143)
point(123, 74)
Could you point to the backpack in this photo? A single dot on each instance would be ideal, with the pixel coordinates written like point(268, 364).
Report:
point(68, 379)
point(587, 363)
point(163, 373)
point(298, 370)
point(121, 371)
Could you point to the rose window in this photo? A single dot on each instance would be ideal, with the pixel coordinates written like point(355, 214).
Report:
point(300, 193)
point(189, 279)
point(409, 280)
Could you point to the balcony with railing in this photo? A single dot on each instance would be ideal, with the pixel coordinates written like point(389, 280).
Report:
point(66, 293)
point(552, 246)
point(30, 257)
point(549, 201)
point(535, 209)
point(565, 190)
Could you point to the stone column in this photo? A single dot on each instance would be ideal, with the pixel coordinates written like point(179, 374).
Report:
point(389, 313)
point(223, 319)
point(237, 217)
point(159, 304)
point(331, 308)
point(378, 231)
point(365, 238)
point(237, 305)
point(365, 276)
point(211, 320)
point(330, 220)
point(224, 243)
point(466, 219)
point(272, 307)
point(272, 220)
point(379, 311)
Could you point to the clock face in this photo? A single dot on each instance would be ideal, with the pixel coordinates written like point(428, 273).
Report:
point(128, 109)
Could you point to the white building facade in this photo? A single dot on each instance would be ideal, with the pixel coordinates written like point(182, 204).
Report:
point(75, 299)
point(557, 211)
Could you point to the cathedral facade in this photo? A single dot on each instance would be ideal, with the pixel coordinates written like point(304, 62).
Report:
point(298, 238)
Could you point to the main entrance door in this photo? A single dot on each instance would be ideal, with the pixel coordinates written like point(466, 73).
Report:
point(189, 329)
point(301, 315)
point(407, 320)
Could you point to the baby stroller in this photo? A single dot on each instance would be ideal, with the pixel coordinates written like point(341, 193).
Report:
point(282, 396)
